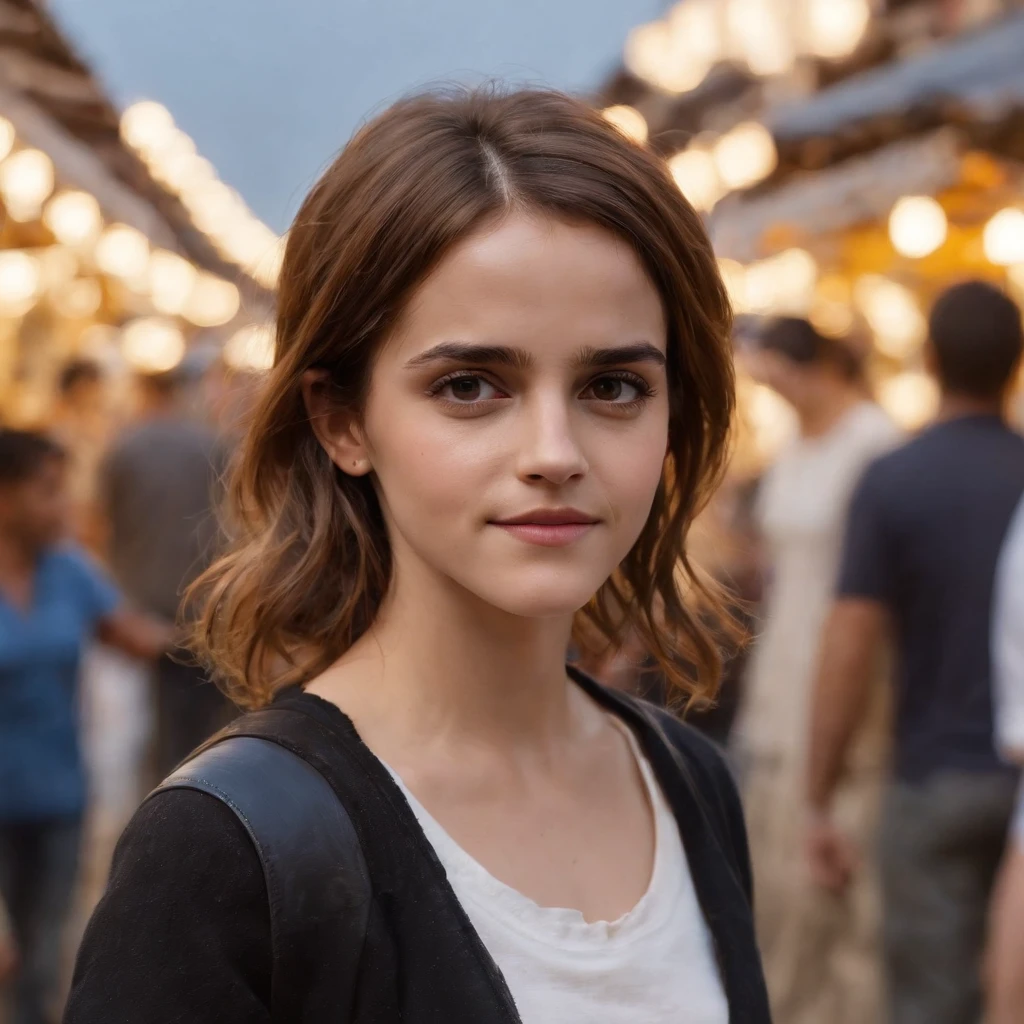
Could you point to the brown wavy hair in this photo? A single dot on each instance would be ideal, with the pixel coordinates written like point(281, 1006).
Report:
point(309, 561)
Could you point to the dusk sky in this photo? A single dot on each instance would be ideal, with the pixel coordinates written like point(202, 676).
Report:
point(271, 89)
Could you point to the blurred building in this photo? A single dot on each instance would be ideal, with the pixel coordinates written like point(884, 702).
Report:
point(852, 157)
point(117, 239)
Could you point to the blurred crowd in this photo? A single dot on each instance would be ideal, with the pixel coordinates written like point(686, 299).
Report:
point(875, 720)
point(107, 512)
point(874, 716)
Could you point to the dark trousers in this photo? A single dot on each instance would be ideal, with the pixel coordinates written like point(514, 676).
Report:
point(189, 709)
point(38, 863)
point(940, 846)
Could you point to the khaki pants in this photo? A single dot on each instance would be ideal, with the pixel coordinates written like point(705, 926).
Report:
point(821, 952)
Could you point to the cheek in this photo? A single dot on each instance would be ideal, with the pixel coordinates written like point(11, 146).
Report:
point(429, 466)
point(632, 475)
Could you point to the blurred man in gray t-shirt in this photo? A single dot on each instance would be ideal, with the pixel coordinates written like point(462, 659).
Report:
point(159, 485)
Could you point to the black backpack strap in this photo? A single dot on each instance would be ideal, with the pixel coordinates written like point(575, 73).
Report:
point(318, 885)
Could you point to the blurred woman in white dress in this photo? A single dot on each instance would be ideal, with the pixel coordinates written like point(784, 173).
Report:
point(820, 948)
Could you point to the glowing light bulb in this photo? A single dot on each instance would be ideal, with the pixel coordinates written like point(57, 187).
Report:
point(7, 137)
point(212, 301)
point(696, 175)
point(745, 155)
point(20, 282)
point(26, 180)
point(1003, 237)
point(73, 217)
point(628, 120)
point(146, 125)
point(171, 280)
point(917, 226)
point(153, 345)
point(123, 252)
point(250, 348)
point(834, 28)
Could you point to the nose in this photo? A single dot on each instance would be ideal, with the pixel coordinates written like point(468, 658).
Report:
point(549, 447)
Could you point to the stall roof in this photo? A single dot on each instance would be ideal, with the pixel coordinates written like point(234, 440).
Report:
point(56, 102)
point(983, 70)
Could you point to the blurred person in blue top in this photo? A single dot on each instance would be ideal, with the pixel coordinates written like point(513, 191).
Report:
point(53, 602)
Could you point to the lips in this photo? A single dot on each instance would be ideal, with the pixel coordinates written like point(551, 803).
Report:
point(549, 517)
point(548, 527)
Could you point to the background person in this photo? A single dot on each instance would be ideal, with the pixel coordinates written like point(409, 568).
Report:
point(820, 953)
point(159, 486)
point(1005, 1003)
point(53, 602)
point(919, 563)
point(81, 424)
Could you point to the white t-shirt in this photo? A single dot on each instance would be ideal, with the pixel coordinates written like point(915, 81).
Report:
point(654, 965)
point(1008, 640)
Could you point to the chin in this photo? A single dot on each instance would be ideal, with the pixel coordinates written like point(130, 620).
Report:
point(551, 594)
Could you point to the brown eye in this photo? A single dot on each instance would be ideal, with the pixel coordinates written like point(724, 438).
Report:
point(466, 389)
point(614, 391)
point(608, 389)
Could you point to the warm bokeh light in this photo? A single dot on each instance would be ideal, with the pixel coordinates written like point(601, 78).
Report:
point(628, 120)
point(782, 284)
point(772, 419)
point(695, 173)
point(146, 125)
point(911, 398)
point(58, 267)
point(696, 31)
point(734, 277)
point(1003, 237)
point(7, 137)
point(917, 226)
point(893, 314)
point(171, 280)
point(79, 299)
point(267, 269)
point(656, 55)
point(123, 252)
point(250, 348)
point(73, 217)
point(833, 319)
point(26, 181)
point(153, 344)
point(759, 36)
point(745, 155)
point(20, 282)
point(834, 28)
point(212, 301)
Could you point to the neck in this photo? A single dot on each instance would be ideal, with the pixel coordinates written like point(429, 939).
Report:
point(955, 406)
point(829, 407)
point(441, 665)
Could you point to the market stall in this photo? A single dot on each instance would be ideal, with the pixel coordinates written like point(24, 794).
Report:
point(117, 241)
point(874, 160)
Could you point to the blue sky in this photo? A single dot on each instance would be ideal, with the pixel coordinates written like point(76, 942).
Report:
point(271, 89)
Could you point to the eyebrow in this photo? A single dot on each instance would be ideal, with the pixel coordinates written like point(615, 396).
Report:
point(503, 355)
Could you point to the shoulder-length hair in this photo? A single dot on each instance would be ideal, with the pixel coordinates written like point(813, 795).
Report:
point(309, 560)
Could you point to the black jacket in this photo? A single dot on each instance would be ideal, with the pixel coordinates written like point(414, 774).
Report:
point(183, 931)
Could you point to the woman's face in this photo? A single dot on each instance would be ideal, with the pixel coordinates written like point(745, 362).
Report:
point(517, 419)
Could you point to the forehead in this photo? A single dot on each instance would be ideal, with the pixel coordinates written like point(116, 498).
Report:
point(535, 282)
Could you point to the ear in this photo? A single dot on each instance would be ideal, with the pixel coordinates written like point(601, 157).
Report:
point(337, 429)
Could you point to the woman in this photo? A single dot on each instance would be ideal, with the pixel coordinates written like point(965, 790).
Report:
point(502, 389)
point(53, 602)
point(820, 948)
